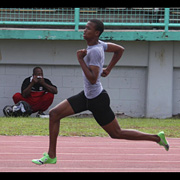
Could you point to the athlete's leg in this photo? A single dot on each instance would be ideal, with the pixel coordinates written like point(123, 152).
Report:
point(114, 130)
point(60, 111)
point(72, 105)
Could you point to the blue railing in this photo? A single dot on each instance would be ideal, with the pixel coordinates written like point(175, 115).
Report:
point(74, 18)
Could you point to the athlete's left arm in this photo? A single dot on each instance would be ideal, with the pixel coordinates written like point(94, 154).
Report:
point(118, 51)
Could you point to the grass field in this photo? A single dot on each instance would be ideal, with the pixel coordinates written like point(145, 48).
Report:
point(85, 126)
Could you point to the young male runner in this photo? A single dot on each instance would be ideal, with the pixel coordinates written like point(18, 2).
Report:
point(94, 98)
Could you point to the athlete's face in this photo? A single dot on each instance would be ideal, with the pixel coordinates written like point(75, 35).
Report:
point(90, 31)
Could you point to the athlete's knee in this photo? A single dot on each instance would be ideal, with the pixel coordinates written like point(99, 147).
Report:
point(117, 134)
point(54, 115)
point(114, 136)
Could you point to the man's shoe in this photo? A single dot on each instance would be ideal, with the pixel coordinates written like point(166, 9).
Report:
point(163, 141)
point(45, 160)
point(42, 115)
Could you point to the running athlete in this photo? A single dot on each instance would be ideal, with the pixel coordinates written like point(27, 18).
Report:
point(93, 98)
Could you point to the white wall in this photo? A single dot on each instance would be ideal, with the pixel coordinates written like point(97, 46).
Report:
point(63, 52)
point(159, 82)
point(125, 85)
point(140, 85)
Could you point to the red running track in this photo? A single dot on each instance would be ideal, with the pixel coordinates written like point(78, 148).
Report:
point(88, 154)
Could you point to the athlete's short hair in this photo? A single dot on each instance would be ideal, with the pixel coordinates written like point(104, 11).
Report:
point(99, 25)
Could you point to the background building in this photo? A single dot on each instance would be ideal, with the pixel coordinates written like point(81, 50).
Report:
point(146, 82)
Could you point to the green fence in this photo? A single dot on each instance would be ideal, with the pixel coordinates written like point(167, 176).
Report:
point(75, 18)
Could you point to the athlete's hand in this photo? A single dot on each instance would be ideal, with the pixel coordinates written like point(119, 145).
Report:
point(105, 72)
point(81, 54)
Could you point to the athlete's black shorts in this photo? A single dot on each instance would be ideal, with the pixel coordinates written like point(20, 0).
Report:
point(99, 106)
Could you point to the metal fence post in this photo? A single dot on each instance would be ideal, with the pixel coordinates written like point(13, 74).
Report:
point(166, 19)
point(76, 18)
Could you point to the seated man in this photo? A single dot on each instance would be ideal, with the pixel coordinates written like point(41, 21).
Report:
point(37, 91)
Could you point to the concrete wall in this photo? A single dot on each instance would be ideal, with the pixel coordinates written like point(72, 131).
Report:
point(126, 89)
point(144, 82)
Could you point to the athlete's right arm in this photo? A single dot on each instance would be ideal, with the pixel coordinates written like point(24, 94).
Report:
point(91, 72)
